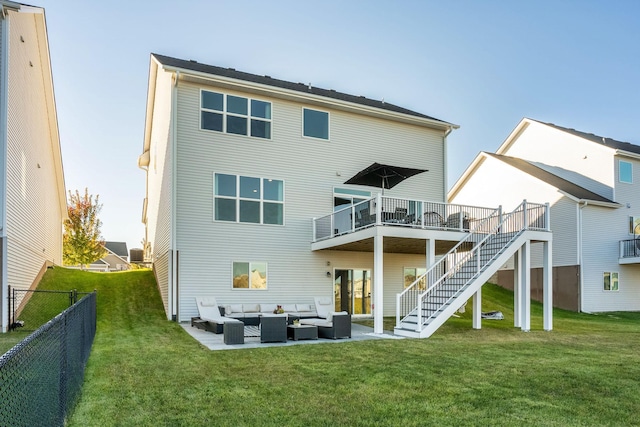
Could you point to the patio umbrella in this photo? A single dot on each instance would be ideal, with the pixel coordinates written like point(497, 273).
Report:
point(383, 176)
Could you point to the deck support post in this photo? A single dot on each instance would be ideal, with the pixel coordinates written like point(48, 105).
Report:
point(547, 283)
point(525, 296)
point(431, 253)
point(477, 309)
point(517, 275)
point(378, 259)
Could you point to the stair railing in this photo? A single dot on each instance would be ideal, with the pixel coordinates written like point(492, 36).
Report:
point(501, 229)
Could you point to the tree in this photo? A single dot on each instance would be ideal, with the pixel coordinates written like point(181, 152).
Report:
point(82, 243)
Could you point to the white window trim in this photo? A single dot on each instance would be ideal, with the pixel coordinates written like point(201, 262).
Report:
point(237, 199)
point(328, 124)
point(632, 220)
point(620, 169)
point(224, 114)
point(250, 288)
point(610, 273)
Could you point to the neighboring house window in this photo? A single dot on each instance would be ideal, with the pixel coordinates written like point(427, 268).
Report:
point(610, 281)
point(625, 172)
point(235, 114)
point(248, 199)
point(634, 225)
point(411, 274)
point(315, 124)
point(249, 275)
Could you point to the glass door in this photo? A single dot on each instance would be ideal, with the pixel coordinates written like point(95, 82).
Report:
point(352, 291)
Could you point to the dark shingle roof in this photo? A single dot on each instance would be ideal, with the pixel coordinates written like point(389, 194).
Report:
point(118, 248)
point(561, 184)
point(298, 87)
point(608, 142)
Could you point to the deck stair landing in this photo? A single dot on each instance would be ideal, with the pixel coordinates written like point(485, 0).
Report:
point(436, 295)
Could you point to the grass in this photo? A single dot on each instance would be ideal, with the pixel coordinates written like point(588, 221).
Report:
point(144, 370)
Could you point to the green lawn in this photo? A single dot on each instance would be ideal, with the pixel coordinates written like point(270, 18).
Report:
point(147, 371)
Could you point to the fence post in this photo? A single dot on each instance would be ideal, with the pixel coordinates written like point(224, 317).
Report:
point(525, 224)
point(11, 314)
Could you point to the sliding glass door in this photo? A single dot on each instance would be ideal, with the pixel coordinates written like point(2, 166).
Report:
point(352, 291)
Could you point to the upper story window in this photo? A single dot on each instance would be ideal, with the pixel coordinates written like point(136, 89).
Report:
point(625, 172)
point(248, 199)
point(235, 114)
point(315, 124)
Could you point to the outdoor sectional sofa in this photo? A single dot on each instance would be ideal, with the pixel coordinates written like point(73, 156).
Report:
point(330, 324)
point(250, 313)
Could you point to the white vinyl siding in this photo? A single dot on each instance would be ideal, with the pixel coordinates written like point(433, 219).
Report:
point(310, 172)
point(35, 188)
point(159, 186)
point(603, 229)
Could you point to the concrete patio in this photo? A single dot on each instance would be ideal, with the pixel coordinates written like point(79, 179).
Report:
point(216, 341)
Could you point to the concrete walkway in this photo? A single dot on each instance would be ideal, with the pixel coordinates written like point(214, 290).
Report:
point(216, 341)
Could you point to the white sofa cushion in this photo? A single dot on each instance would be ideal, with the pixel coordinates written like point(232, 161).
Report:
point(289, 308)
point(301, 308)
point(323, 306)
point(316, 321)
point(333, 313)
point(251, 308)
point(268, 308)
point(232, 308)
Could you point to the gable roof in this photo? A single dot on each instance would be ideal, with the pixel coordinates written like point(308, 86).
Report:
point(283, 84)
point(567, 187)
point(607, 142)
point(118, 248)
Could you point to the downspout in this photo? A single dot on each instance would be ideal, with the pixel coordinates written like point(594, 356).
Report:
point(4, 139)
point(581, 205)
point(174, 180)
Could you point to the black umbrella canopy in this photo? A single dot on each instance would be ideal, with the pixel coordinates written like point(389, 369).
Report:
point(383, 176)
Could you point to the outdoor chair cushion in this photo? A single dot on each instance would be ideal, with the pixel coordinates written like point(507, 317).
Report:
point(324, 305)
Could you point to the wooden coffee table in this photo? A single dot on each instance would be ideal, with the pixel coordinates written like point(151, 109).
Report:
point(302, 332)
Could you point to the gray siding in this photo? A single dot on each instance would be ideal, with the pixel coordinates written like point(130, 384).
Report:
point(310, 169)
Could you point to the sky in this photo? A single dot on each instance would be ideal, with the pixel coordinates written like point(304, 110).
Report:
point(480, 64)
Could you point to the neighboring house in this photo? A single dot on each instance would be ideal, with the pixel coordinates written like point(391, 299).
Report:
point(116, 259)
point(32, 190)
point(246, 200)
point(593, 187)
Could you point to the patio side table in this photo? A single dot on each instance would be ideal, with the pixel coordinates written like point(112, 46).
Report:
point(234, 333)
point(302, 332)
point(273, 328)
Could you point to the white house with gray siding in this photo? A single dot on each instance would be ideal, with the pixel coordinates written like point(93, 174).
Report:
point(592, 185)
point(32, 190)
point(246, 198)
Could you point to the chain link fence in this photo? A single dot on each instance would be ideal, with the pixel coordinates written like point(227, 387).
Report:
point(29, 309)
point(41, 377)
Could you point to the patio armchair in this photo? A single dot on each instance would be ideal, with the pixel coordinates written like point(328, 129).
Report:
point(210, 318)
point(340, 327)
